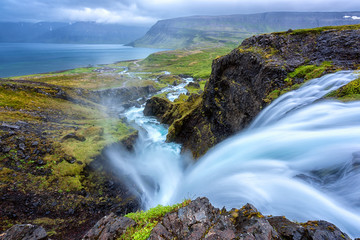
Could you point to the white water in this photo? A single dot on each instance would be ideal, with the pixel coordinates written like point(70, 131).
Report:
point(294, 160)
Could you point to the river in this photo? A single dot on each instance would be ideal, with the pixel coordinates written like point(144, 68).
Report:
point(299, 158)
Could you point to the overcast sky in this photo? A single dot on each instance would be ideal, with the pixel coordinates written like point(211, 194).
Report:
point(147, 12)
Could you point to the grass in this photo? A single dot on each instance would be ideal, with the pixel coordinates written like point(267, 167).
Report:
point(319, 30)
point(147, 220)
point(196, 63)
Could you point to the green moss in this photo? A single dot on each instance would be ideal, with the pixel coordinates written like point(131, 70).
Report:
point(349, 92)
point(147, 220)
point(305, 72)
point(309, 71)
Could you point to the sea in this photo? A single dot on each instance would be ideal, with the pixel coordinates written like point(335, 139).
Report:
point(17, 59)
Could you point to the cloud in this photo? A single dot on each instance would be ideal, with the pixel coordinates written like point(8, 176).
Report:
point(145, 12)
point(102, 15)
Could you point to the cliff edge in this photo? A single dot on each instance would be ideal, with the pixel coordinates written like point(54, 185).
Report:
point(252, 75)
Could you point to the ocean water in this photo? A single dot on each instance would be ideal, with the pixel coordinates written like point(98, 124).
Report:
point(29, 58)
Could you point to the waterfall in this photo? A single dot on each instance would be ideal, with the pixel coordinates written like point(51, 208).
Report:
point(299, 158)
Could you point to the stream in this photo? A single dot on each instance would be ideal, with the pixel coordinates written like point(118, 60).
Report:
point(299, 158)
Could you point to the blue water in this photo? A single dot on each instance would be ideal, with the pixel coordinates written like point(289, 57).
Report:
point(28, 58)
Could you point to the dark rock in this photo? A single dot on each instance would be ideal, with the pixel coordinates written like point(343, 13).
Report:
point(130, 140)
point(109, 228)
point(324, 230)
point(24, 232)
point(22, 146)
point(157, 107)
point(41, 162)
point(74, 136)
point(6, 149)
point(194, 85)
point(287, 229)
point(20, 154)
point(35, 143)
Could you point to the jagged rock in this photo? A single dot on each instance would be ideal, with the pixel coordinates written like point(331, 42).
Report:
point(24, 232)
point(109, 228)
point(194, 85)
point(324, 230)
point(157, 107)
point(200, 220)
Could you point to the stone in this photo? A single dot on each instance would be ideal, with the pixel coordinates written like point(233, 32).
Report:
point(109, 228)
point(22, 146)
point(24, 232)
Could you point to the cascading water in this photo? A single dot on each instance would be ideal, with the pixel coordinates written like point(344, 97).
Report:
point(295, 159)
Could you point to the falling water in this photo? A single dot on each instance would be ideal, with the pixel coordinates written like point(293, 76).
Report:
point(299, 158)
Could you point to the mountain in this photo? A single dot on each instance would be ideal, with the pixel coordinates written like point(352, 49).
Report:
point(79, 32)
point(221, 30)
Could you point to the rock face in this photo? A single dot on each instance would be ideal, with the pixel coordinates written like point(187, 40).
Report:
point(241, 80)
point(201, 220)
point(24, 232)
point(109, 227)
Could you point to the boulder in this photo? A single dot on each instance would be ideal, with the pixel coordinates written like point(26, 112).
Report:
point(109, 228)
point(24, 232)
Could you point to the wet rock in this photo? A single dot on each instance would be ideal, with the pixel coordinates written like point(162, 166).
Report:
point(74, 136)
point(129, 141)
point(109, 227)
point(24, 232)
point(194, 85)
point(157, 107)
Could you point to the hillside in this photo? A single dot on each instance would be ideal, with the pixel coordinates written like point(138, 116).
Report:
point(79, 32)
point(226, 30)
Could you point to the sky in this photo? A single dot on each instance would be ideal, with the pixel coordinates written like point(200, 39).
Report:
point(147, 12)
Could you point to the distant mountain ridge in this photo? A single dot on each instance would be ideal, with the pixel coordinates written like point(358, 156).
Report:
point(79, 32)
point(231, 29)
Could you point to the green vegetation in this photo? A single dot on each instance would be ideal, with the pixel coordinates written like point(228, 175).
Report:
point(196, 63)
point(349, 92)
point(305, 73)
point(147, 220)
point(319, 30)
